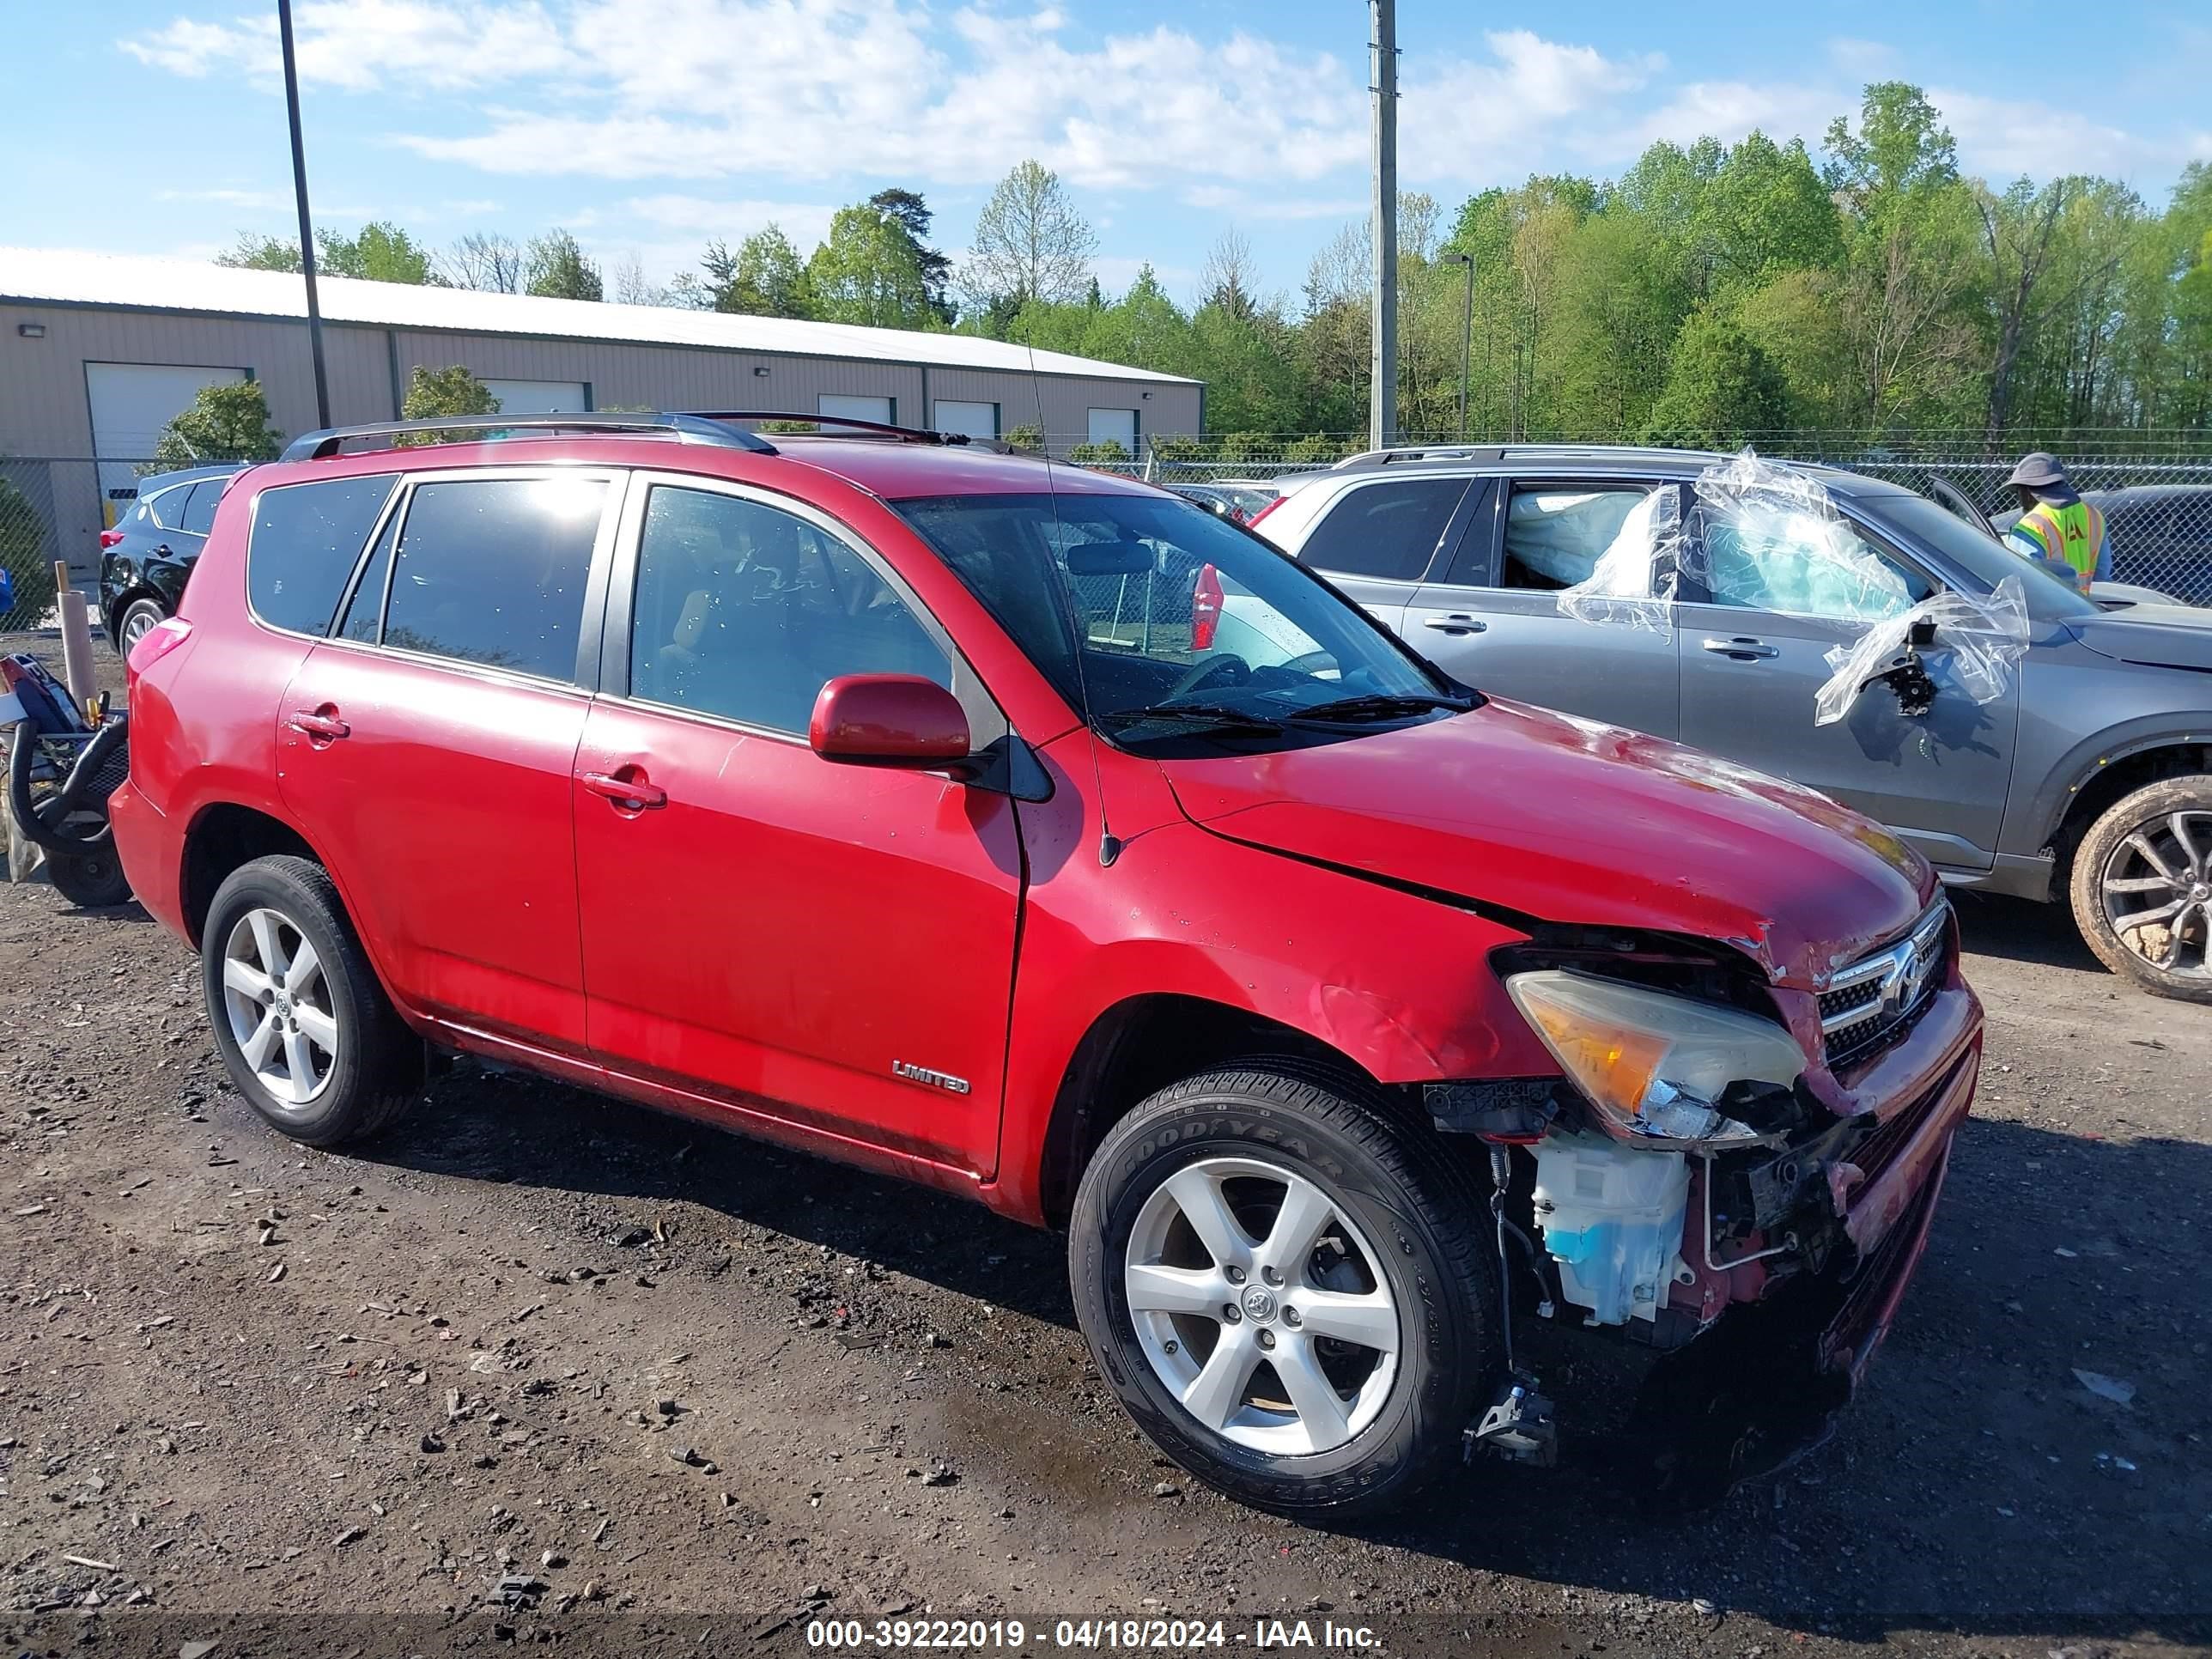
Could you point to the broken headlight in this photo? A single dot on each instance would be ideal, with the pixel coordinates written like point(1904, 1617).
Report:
point(1657, 1068)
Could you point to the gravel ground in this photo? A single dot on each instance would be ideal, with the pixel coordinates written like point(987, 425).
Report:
point(539, 1368)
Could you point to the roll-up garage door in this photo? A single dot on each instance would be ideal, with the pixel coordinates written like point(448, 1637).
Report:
point(132, 402)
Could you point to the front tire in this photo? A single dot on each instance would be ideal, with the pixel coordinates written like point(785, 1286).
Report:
point(299, 1018)
point(1288, 1291)
point(2141, 888)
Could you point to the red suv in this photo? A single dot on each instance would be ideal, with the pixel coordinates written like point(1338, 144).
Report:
point(1038, 836)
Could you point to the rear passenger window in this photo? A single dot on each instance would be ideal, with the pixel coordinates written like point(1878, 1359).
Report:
point(306, 538)
point(1385, 530)
point(167, 507)
point(493, 571)
point(199, 511)
point(1555, 533)
point(747, 613)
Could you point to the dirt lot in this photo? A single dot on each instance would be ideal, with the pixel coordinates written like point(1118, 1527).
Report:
point(684, 1393)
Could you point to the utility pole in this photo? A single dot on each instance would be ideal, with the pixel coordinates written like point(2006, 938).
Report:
point(1383, 343)
point(306, 229)
point(1466, 334)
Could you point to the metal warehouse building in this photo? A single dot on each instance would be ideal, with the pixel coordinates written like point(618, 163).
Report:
point(99, 352)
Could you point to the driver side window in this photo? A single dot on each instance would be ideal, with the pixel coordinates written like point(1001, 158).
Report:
point(1799, 564)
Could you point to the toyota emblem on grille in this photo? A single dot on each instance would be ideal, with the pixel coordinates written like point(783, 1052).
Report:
point(1903, 980)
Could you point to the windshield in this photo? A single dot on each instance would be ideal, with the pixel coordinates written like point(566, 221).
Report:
point(1190, 628)
point(2050, 597)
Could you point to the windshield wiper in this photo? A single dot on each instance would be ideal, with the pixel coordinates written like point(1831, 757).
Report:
point(1382, 706)
point(1216, 715)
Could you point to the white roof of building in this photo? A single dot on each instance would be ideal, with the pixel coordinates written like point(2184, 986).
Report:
point(128, 279)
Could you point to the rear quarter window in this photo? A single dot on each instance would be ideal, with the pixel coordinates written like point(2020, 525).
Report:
point(1388, 530)
point(305, 540)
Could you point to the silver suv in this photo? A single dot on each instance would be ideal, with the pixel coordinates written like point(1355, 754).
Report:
point(2089, 777)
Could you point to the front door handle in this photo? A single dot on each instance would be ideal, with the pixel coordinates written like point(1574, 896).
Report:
point(319, 724)
point(632, 792)
point(1457, 622)
point(1743, 650)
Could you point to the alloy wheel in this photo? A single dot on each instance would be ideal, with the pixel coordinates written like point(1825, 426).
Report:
point(279, 1000)
point(2156, 888)
point(1261, 1308)
point(137, 623)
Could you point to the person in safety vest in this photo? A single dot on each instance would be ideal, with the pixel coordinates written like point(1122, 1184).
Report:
point(2056, 524)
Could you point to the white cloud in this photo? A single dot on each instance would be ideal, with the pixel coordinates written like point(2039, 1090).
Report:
point(672, 91)
point(368, 44)
point(2003, 138)
point(1864, 59)
point(1493, 120)
point(804, 223)
point(1727, 109)
point(706, 89)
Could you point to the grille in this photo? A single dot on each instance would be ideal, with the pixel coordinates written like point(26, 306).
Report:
point(1877, 999)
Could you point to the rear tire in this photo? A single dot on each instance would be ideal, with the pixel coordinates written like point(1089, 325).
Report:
point(92, 880)
point(2141, 888)
point(1361, 1353)
point(298, 1016)
point(138, 618)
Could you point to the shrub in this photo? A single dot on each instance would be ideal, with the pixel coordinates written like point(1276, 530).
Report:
point(434, 392)
point(228, 423)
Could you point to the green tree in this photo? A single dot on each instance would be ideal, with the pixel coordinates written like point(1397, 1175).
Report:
point(1720, 389)
point(765, 277)
point(1108, 452)
point(1028, 437)
point(906, 209)
point(555, 267)
point(1030, 243)
point(227, 422)
point(256, 253)
point(381, 252)
point(434, 392)
point(1901, 149)
point(867, 273)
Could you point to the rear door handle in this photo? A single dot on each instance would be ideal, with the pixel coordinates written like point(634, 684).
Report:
point(321, 725)
point(1743, 650)
point(634, 792)
point(1457, 622)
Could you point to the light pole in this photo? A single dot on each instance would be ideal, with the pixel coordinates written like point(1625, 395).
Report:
point(1382, 210)
point(306, 231)
point(1466, 335)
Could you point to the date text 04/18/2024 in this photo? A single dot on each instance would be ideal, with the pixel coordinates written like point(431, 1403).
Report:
point(1167, 1635)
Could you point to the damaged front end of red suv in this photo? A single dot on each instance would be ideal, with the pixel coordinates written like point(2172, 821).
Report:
point(1702, 1194)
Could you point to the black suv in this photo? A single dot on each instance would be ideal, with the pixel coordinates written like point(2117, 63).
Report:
point(144, 560)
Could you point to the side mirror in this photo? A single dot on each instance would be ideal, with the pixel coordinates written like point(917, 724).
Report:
point(890, 719)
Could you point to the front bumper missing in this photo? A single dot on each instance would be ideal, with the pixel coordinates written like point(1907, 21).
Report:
point(1761, 1387)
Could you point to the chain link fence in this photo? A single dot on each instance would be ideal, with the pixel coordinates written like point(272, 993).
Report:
point(54, 508)
point(30, 542)
point(2157, 501)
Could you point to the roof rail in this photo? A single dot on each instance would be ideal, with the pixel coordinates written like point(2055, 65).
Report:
point(914, 435)
point(1418, 453)
point(687, 428)
point(1501, 451)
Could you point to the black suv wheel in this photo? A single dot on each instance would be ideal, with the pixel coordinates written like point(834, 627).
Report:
point(1288, 1291)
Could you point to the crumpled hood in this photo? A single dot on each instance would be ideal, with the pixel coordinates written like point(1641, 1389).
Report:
point(1568, 820)
point(2164, 636)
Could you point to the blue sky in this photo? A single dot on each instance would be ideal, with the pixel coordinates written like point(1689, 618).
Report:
point(649, 126)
